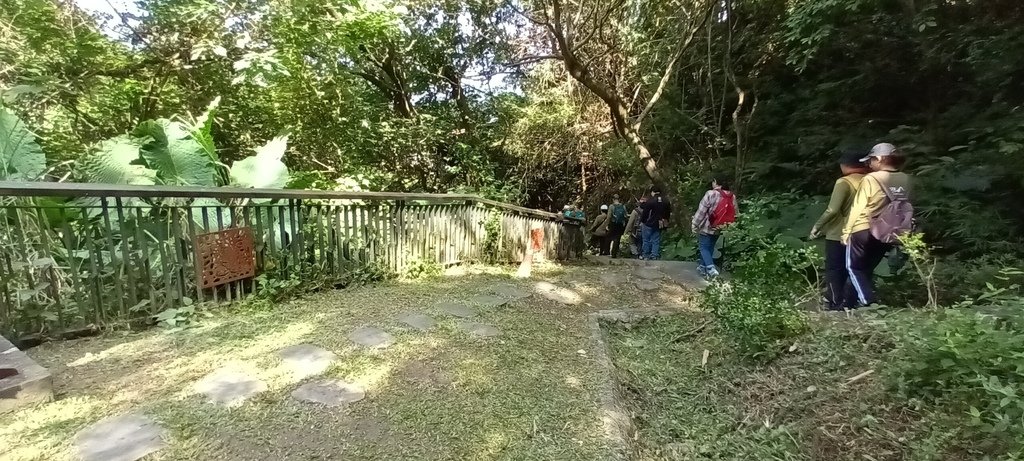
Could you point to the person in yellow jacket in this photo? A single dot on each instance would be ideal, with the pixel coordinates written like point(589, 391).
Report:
point(599, 232)
point(863, 250)
point(839, 293)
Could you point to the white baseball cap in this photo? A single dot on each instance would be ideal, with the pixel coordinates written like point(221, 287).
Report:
point(880, 150)
point(604, 207)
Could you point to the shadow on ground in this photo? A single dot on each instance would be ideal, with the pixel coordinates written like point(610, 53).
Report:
point(530, 392)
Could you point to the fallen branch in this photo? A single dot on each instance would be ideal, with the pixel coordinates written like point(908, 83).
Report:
point(859, 377)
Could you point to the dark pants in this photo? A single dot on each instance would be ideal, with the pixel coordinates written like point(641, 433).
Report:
point(615, 232)
point(863, 253)
point(600, 243)
point(839, 293)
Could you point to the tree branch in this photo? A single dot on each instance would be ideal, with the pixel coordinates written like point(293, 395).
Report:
point(670, 67)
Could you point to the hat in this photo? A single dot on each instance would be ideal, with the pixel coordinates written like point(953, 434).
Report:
point(851, 158)
point(604, 207)
point(880, 150)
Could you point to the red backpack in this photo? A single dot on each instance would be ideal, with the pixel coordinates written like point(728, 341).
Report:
point(725, 211)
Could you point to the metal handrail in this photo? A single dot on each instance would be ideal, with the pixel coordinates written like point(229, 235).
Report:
point(72, 189)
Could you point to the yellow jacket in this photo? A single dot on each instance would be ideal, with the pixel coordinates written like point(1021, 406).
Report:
point(871, 198)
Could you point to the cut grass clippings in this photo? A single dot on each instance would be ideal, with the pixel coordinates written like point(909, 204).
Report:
point(528, 394)
point(696, 398)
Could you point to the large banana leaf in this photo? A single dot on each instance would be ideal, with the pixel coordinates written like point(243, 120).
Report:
point(263, 170)
point(175, 154)
point(21, 159)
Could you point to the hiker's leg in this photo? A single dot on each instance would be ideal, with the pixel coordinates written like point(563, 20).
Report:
point(706, 251)
point(861, 259)
point(645, 249)
point(606, 243)
point(836, 275)
point(655, 243)
point(616, 232)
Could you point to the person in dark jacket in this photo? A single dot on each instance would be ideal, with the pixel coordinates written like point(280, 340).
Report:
point(654, 217)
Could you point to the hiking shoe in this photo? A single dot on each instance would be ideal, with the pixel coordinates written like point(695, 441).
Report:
point(712, 273)
point(703, 271)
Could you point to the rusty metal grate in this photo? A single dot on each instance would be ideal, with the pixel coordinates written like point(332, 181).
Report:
point(225, 256)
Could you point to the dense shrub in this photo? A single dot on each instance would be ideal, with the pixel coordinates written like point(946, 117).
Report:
point(759, 318)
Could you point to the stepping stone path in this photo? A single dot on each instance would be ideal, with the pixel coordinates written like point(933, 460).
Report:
point(306, 359)
point(457, 310)
point(647, 285)
point(612, 279)
point(488, 300)
point(229, 387)
point(509, 291)
point(332, 393)
point(649, 274)
point(372, 337)
point(479, 329)
point(419, 321)
point(558, 294)
point(120, 438)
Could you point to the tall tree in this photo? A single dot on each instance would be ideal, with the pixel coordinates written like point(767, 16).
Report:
point(624, 52)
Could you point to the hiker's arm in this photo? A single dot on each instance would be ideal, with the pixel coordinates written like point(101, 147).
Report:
point(702, 213)
point(840, 194)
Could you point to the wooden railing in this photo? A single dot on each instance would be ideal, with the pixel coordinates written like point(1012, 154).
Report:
point(81, 256)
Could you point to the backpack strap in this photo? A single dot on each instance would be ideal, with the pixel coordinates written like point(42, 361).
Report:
point(885, 189)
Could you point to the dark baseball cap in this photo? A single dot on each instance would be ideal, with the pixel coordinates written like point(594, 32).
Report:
point(881, 150)
point(851, 157)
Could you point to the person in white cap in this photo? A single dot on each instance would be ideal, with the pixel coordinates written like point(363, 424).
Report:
point(599, 232)
point(885, 185)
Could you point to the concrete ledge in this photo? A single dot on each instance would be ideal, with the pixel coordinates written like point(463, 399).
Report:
point(615, 414)
point(30, 384)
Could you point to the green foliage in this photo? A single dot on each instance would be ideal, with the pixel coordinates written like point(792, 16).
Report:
point(760, 318)
point(21, 159)
point(172, 153)
point(265, 170)
point(492, 237)
point(422, 269)
point(965, 362)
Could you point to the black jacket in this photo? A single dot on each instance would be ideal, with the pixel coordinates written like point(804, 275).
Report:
point(654, 210)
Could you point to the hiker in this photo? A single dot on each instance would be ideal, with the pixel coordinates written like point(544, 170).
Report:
point(617, 226)
point(599, 232)
point(881, 212)
point(717, 209)
point(633, 230)
point(655, 214)
point(839, 293)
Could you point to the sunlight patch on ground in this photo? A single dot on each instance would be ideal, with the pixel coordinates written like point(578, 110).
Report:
point(526, 394)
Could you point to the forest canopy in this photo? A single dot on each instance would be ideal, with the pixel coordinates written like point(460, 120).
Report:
point(544, 102)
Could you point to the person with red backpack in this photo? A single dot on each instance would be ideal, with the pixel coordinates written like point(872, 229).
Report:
point(880, 214)
point(717, 209)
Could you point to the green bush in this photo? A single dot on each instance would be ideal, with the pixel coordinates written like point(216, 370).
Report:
point(759, 318)
point(965, 364)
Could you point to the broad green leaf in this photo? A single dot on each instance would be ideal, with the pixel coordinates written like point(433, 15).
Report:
point(263, 170)
point(116, 161)
point(175, 154)
point(21, 159)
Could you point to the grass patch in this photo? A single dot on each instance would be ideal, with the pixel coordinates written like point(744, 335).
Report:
point(525, 395)
point(802, 406)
